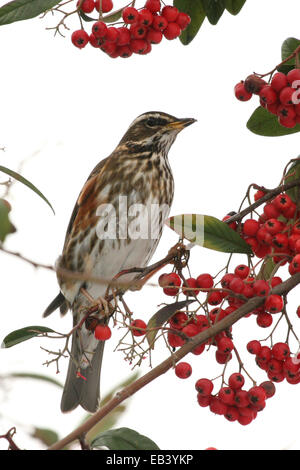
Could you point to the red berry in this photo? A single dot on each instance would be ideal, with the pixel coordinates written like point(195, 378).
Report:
point(192, 283)
point(145, 17)
point(242, 271)
point(175, 341)
point(80, 38)
point(236, 381)
point(124, 36)
point(205, 281)
point(286, 96)
point(222, 358)
point(265, 354)
point(232, 413)
point(102, 332)
point(107, 5)
point(93, 41)
point(268, 95)
point(159, 23)
point(281, 241)
point(87, 6)
point(190, 330)
point(275, 366)
point(139, 327)
point(258, 195)
point(153, 5)
point(130, 15)
point(282, 202)
point(170, 13)
point(295, 263)
point(245, 420)
point(286, 112)
point(125, 52)
point(138, 46)
point(198, 349)
point(225, 345)
point(254, 347)
point(172, 279)
point(287, 122)
point(154, 37)
point(279, 81)
point(99, 29)
point(214, 298)
point(112, 34)
point(292, 77)
point(250, 227)
point(172, 31)
point(276, 376)
point(241, 398)
point(178, 320)
point(241, 93)
point(183, 370)
point(204, 400)
point(298, 311)
point(183, 20)
point(261, 288)
point(274, 304)
point(226, 395)
point(264, 320)
point(271, 211)
point(204, 387)
point(217, 406)
point(273, 226)
point(236, 285)
point(257, 395)
point(275, 281)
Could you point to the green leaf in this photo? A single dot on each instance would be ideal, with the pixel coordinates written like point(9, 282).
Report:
point(292, 175)
point(27, 183)
point(18, 336)
point(264, 123)
point(234, 6)
point(195, 10)
point(46, 436)
point(30, 375)
point(287, 48)
point(123, 439)
point(5, 225)
point(207, 231)
point(161, 317)
point(19, 10)
point(111, 18)
point(214, 9)
point(266, 269)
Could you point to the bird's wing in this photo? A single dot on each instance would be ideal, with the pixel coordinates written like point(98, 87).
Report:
point(83, 197)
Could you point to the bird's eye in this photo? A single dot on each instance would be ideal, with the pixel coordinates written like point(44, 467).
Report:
point(151, 122)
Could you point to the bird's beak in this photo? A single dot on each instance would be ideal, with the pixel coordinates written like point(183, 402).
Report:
point(180, 124)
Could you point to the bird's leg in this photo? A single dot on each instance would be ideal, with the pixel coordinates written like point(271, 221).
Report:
point(100, 302)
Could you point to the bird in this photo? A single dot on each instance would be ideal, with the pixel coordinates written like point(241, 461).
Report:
point(136, 172)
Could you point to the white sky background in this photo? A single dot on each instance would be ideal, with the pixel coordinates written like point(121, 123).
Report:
point(64, 109)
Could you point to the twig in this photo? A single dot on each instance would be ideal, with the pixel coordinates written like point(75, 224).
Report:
point(202, 337)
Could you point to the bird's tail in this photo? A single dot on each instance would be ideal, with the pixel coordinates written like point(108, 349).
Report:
point(82, 386)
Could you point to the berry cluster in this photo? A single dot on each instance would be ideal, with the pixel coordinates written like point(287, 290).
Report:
point(232, 401)
point(280, 97)
point(274, 235)
point(276, 361)
point(141, 28)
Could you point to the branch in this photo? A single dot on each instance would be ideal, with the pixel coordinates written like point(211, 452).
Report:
point(271, 193)
point(202, 337)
